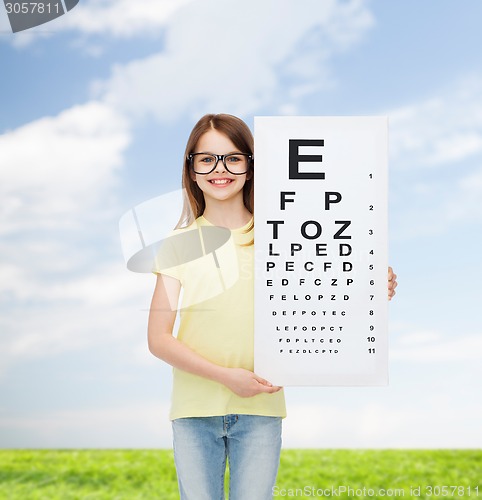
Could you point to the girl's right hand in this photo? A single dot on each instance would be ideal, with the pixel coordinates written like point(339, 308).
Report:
point(247, 384)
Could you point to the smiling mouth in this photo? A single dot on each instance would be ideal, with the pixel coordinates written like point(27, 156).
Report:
point(220, 182)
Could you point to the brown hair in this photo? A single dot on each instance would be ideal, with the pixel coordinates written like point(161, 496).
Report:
point(239, 134)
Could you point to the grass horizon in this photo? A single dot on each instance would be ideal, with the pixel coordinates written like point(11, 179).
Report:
point(130, 474)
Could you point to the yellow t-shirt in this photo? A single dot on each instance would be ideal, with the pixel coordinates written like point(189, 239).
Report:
point(216, 317)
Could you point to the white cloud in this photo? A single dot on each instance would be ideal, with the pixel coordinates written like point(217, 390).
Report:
point(443, 133)
point(455, 147)
point(220, 57)
point(437, 206)
point(105, 286)
point(121, 18)
point(465, 203)
point(102, 18)
point(440, 131)
point(432, 347)
point(56, 169)
point(58, 179)
point(379, 424)
point(67, 313)
point(419, 337)
point(132, 425)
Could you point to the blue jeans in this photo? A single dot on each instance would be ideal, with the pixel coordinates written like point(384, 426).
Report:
point(251, 443)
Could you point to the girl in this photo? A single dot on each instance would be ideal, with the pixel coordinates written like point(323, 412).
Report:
point(220, 408)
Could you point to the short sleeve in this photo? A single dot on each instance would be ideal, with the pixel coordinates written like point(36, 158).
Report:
point(167, 259)
point(178, 249)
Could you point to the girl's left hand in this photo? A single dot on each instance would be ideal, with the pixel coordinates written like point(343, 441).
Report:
point(392, 283)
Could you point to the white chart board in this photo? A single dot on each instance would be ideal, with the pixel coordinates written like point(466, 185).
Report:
point(321, 307)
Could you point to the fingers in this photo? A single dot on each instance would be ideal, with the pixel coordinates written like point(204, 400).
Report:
point(262, 380)
point(266, 386)
point(270, 390)
point(392, 283)
point(391, 275)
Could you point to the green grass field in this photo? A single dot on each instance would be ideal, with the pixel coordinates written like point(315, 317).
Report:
point(150, 474)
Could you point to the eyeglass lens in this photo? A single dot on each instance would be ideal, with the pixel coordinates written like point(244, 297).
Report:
point(206, 163)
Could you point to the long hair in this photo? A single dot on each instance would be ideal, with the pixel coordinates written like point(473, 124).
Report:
point(239, 134)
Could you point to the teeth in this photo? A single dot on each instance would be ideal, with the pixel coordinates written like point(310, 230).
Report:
point(220, 181)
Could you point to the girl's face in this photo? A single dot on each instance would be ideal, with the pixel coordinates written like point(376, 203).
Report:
point(219, 184)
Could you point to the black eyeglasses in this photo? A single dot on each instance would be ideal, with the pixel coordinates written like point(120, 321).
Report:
point(205, 163)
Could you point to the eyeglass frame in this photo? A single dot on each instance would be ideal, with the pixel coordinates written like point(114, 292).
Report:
point(222, 158)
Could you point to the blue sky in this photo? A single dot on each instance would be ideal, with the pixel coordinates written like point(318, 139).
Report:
point(95, 109)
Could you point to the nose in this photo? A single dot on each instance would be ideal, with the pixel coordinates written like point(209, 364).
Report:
point(219, 167)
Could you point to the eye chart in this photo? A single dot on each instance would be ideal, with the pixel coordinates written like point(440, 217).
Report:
point(321, 307)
